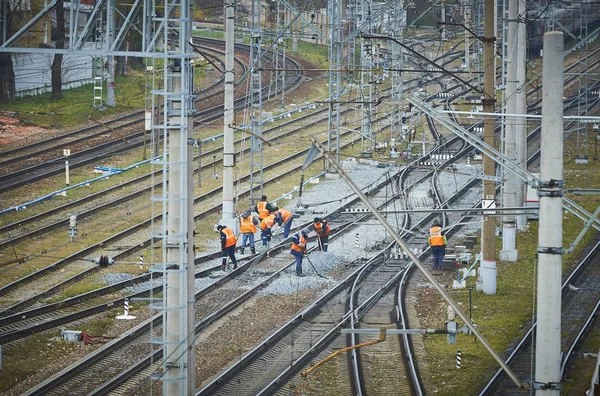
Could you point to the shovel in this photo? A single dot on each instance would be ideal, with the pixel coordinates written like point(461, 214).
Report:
point(313, 267)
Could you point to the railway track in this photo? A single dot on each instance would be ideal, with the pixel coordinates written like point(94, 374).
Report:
point(128, 142)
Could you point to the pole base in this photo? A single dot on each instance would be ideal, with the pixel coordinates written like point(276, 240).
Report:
point(125, 317)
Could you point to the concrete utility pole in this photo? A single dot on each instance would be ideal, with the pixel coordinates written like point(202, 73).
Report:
point(509, 252)
point(521, 108)
point(488, 242)
point(228, 119)
point(547, 354)
point(191, 246)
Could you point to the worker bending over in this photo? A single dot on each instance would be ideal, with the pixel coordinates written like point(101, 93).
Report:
point(323, 231)
point(266, 226)
point(228, 242)
point(286, 217)
point(299, 241)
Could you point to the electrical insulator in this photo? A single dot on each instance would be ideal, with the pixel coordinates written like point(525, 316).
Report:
point(73, 221)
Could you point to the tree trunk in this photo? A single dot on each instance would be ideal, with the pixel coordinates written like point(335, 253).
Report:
point(60, 43)
point(7, 73)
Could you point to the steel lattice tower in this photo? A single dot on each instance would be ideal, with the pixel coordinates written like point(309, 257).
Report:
point(166, 33)
point(256, 152)
point(398, 22)
point(335, 79)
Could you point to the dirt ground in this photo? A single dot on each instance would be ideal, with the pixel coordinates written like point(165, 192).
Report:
point(11, 129)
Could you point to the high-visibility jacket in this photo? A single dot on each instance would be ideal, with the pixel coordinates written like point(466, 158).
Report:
point(262, 209)
point(435, 237)
point(299, 243)
point(267, 222)
point(247, 225)
point(227, 238)
point(322, 228)
point(285, 214)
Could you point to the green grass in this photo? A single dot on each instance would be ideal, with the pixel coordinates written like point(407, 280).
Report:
point(505, 316)
point(25, 359)
point(215, 34)
point(76, 106)
point(314, 53)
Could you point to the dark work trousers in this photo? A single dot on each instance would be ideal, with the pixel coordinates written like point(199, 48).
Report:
point(266, 236)
point(437, 254)
point(298, 257)
point(286, 228)
point(324, 242)
point(229, 251)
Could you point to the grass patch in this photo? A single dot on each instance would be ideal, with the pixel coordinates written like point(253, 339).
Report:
point(505, 316)
point(25, 359)
point(314, 53)
point(214, 34)
point(76, 106)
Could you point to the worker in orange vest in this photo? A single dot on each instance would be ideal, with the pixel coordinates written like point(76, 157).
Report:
point(299, 249)
point(286, 217)
point(264, 208)
point(228, 241)
point(266, 225)
point(248, 225)
point(323, 231)
point(437, 241)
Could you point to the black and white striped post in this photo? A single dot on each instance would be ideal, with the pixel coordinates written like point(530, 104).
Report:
point(141, 261)
point(126, 315)
point(458, 358)
point(356, 240)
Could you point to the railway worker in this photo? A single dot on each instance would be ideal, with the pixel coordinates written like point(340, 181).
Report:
point(299, 249)
point(264, 208)
point(323, 229)
point(248, 225)
point(228, 242)
point(437, 241)
point(266, 226)
point(286, 219)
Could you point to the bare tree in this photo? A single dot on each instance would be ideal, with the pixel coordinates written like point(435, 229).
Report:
point(7, 73)
point(60, 43)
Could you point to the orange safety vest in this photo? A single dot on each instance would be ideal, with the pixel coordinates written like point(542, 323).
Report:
point(247, 225)
point(268, 221)
point(297, 247)
point(262, 209)
point(319, 227)
point(435, 237)
point(231, 241)
point(285, 214)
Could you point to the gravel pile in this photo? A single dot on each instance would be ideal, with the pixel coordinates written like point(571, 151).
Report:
point(327, 196)
point(112, 278)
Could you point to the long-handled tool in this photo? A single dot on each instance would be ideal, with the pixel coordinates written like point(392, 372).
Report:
point(313, 267)
point(320, 243)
